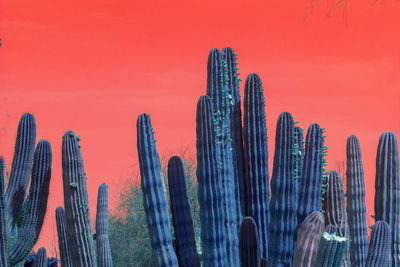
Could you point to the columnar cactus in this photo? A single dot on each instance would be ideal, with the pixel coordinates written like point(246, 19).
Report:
point(3, 223)
point(41, 258)
point(249, 244)
point(63, 247)
point(283, 205)
point(76, 203)
point(387, 190)
point(256, 158)
point(221, 96)
point(154, 201)
point(380, 244)
point(103, 249)
point(209, 188)
point(308, 238)
point(181, 214)
point(299, 147)
point(331, 250)
point(356, 208)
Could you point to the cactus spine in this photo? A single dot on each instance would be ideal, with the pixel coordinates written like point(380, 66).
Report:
point(104, 258)
point(154, 201)
point(181, 214)
point(380, 245)
point(65, 256)
point(356, 208)
point(249, 244)
point(256, 158)
point(387, 190)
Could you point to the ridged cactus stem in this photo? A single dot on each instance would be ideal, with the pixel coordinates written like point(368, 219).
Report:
point(387, 190)
point(299, 147)
point(283, 205)
point(21, 167)
point(256, 158)
point(356, 208)
point(182, 214)
point(154, 202)
point(330, 251)
point(37, 203)
point(209, 188)
point(308, 238)
point(249, 244)
point(41, 258)
point(104, 258)
point(63, 247)
point(3, 222)
point(380, 244)
point(76, 203)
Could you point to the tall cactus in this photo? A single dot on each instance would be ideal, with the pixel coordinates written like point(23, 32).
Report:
point(209, 188)
point(103, 249)
point(221, 96)
point(356, 208)
point(308, 238)
point(181, 214)
point(154, 201)
point(76, 203)
point(283, 205)
point(63, 247)
point(249, 245)
point(387, 190)
point(256, 158)
point(380, 245)
point(3, 222)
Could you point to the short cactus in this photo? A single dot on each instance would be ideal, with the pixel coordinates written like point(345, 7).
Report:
point(103, 249)
point(249, 245)
point(380, 244)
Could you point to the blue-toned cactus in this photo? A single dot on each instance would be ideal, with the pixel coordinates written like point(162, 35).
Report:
point(311, 184)
point(76, 203)
point(181, 214)
point(380, 245)
point(209, 188)
point(387, 190)
point(356, 208)
point(221, 97)
point(103, 249)
point(155, 204)
point(331, 229)
point(63, 247)
point(299, 147)
point(256, 158)
point(3, 222)
point(283, 204)
point(331, 250)
point(41, 258)
point(236, 131)
point(308, 238)
point(249, 244)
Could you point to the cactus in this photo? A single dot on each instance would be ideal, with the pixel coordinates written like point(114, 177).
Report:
point(283, 205)
point(209, 188)
point(181, 214)
point(313, 173)
point(256, 158)
point(154, 201)
point(221, 96)
point(356, 208)
point(299, 147)
point(379, 246)
point(76, 204)
point(41, 258)
point(387, 190)
point(249, 244)
point(308, 239)
point(65, 256)
point(3, 222)
point(331, 250)
point(103, 249)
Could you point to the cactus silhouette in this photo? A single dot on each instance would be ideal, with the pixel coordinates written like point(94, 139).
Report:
point(41, 258)
point(103, 249)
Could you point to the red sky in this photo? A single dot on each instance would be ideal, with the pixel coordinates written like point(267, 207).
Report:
point(94, 66)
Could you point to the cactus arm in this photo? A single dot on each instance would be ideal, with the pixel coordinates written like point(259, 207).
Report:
point(154, 201)
point(308, 239)
point(387, 189)
point(104, 258)
point(283, 205)
point(181, 214)
point(249, 244)
point(380, 245)
point(3, 223)
point(65, 256)
point(21, 167)
point(209, 188)
point(256, 158)
point(41, 258)
point(36, 210)
point(76, 204)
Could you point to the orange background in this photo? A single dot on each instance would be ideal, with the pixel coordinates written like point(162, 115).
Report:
point(94, 66)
